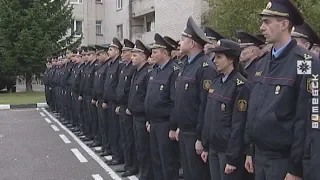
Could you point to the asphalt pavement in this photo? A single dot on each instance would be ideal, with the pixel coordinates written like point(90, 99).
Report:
point(34, 145)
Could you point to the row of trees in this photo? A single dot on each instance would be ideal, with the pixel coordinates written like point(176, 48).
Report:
point(228, 16)
point(29, 31)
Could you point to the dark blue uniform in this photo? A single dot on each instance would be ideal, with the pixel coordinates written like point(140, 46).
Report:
point(277, 114)
point(138, 91)
point(110, 98)
point(126, 121)
point(97, 95)
point(225, 119)
point(159, 107)
point(191, 95)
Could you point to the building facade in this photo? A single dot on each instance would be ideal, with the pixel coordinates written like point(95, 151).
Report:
point(101, 20)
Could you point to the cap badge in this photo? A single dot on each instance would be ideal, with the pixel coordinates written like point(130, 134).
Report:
point(218, 43)
point(269, 5)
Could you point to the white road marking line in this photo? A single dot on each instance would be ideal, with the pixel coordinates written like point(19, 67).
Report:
point(42, 114)
point(55, 128)
point(98, 148)
point(97, 177)
point(64, 139)
point(48, 120)
point(78, 154)
point(111, 173)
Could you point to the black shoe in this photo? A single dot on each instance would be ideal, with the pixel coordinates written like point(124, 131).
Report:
point(99, 151)
point(75, 130)
point(181, 176)
point(113, 162)
point(64, 123)
point(81, 134)
point(70, 125)
point(86, 139)
point(105, 153)
point(94, 144)
point(121, 170)
point(129, 173)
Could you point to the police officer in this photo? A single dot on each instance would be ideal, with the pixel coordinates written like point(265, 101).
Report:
point(84, 111)
point(191, 91)
point(110, 101)
point(213, 36)
point(175, 51)
point(226, 114)
point(138, 91)
point(279, 99)
point(46, 80)
point(304, 35)
point(250, 52)
point(159, 105)
point(126, 121)
point(97, 96)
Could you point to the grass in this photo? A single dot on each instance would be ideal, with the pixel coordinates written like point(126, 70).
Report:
point(22, 98)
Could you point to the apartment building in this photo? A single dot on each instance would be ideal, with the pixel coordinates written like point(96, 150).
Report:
point(101, 20)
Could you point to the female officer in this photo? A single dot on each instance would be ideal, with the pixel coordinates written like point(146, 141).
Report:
point(225, 114)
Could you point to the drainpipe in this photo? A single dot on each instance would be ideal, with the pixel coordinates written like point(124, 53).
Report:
point(130, 19)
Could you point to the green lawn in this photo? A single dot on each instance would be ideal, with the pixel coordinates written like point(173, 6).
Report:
point(22, 98)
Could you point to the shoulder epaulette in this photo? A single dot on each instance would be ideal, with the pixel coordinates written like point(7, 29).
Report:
point(205, 64)
point(239, 82)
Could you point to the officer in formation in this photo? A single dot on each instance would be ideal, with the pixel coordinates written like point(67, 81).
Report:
point(223, 109)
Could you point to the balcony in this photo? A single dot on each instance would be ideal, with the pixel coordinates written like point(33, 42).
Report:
point(142, 7)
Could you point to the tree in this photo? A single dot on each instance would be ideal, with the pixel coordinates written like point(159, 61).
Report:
point(228, 16)
point(30, 30)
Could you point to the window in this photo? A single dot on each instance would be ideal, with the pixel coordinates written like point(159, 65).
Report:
point(119, 4)
point(120, 32)
point(99, 27)
point(150, 26)
point(77, 28)
point(76, 1)
point(99, 1)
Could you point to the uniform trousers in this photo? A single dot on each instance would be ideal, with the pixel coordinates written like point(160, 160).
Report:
point(218, 162)
point(192, 164)
point(127, 140)
point(103, 125)
point(270, 165)
point(114, 132)
point(311, 161)
point(163, 155)
point(142, 139)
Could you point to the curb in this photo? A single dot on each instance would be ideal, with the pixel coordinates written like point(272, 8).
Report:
point(22, 106)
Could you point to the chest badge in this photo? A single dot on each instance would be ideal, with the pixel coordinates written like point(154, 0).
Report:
point(96, 73)
point(277, 90)
point(111, 76)
point(223, 107)
point(179, 74)
point(125, 78)
point(211, 90)
point(161, 87)
point(207, 84)
point(151, 78)
point(186, 86)
point(137, 86)
point(121, 72)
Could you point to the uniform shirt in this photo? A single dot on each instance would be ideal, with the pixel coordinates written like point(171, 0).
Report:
point(89, 77)
point(159, 101)
point(111, 82)
point(226, 115)
point(75, 85)
point(279, 104)
point(123, 87)
point(138, 91)
point(277, 53)
point(192, 86)
point(99, 80)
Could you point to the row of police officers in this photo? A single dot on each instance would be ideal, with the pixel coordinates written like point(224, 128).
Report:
point(219, 109)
